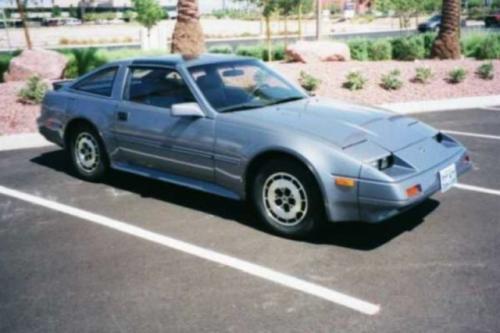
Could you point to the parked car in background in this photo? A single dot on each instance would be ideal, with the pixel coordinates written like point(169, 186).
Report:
point(73, 21)
point(431, 24)
point(492, 20)
point(434, 23)
point(233, 127)
point(59, 21)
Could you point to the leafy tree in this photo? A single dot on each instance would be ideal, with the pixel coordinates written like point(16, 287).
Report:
point(384, 6)
point(284, 7)
point(405, 9)
point(149, 13)
point(73, 12)
point(56, 11)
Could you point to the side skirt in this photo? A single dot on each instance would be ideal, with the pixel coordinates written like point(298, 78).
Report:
point(194, 184)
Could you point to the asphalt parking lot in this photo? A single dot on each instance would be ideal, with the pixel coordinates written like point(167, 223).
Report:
point(434, 269)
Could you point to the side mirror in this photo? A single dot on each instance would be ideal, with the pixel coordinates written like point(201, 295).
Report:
point(187, 110)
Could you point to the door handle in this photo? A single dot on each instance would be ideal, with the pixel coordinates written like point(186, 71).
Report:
point(122, 116)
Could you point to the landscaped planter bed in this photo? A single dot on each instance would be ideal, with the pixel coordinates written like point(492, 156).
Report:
point(332, 76)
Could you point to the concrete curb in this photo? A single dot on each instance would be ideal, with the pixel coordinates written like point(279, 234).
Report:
point(444, 105)
point(23, 141)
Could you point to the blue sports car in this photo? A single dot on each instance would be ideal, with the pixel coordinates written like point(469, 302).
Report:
point(233, 127)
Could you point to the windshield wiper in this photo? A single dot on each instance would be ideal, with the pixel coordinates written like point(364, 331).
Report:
point(242, 107)
point(286, 100)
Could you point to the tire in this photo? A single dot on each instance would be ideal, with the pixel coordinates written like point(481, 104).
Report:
point(287, 198)
point(87, 153)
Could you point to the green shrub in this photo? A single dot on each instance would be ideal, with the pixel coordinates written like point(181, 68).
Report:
point(457, 75)
point(250, 51)
point(309, 82)
point(82, 61)
point(129, 16)
point(428, 38)
point(486, 71)
point(34, 91)
point(219, 14)
point(113, 55)
point(221, 49)
point(488, 48)
point(279, 52)
point(359, 49)
point(408, 48)
point(4, 64)
point(471, 43)
point(423, 75)
point(380, 50)
point(392, 80)
point(354, 81)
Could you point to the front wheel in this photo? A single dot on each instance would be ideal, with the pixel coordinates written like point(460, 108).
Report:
point(88, 154)
point(287, 198)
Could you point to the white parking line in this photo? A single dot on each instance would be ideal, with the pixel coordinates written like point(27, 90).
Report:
point(238, 264)
point(474, 135)
point(493, 108)
point(23, 141)
point(477, 189)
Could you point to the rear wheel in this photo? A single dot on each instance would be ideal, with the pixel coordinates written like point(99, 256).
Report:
point(287, 198)
point(87, 153)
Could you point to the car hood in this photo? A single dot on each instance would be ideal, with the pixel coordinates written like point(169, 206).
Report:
point(341, 124)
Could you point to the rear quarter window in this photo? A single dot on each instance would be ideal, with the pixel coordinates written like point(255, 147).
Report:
point(100, 83)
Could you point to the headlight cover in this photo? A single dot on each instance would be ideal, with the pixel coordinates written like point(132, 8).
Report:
point(383, 163)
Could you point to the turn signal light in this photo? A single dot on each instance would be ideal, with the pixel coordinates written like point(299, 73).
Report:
point(345, 182)
point(413, 191)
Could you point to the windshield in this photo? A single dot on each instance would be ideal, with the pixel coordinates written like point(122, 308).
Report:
point(242, 85)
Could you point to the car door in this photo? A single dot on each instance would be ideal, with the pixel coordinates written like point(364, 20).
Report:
point(149, 136)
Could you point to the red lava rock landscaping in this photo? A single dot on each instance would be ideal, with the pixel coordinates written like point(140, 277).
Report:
point(332, 76)
point(16, 117)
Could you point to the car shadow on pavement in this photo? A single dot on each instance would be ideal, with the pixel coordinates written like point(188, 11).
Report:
point(366, 236)
point(354, 235)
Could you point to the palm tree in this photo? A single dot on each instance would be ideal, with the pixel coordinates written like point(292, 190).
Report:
point(187, 38)
point(447, 44)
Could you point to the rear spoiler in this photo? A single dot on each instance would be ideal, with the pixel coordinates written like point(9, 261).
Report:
point(59, 84)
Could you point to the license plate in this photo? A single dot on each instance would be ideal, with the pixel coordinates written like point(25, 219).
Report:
point(448, 178)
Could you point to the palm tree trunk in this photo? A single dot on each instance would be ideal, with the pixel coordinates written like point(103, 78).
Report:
point(447, 44)
point(20, 8)
point(188, 38)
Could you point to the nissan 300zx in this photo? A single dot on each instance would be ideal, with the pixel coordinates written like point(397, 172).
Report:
point(233, 127)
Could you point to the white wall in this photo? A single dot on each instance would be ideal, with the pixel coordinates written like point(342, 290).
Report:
point(207, 6)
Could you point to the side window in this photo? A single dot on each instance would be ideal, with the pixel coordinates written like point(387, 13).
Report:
point(160, 87)
point(100, 83)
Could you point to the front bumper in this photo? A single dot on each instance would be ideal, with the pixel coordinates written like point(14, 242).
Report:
point(379, 201)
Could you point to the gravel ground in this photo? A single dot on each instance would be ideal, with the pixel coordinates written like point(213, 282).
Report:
point(333, 75)
point(14, 116)
point(18, 118)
